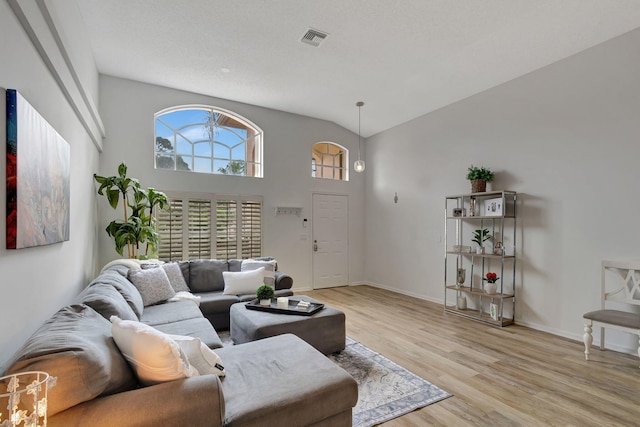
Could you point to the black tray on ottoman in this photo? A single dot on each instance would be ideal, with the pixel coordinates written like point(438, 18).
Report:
point(292, 308)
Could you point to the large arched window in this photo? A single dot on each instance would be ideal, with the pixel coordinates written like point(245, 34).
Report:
point(329, 160)
point(207, 140)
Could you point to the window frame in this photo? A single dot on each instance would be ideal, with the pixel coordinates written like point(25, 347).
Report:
point(318, 167)
point(258, 138)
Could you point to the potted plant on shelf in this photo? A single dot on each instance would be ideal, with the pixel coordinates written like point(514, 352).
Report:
point(264, 294)
point(491, 279)
point(480, 236)
point(479, 176)
point(138, 225)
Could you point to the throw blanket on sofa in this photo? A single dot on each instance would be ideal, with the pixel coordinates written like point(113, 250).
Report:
point(132, 264)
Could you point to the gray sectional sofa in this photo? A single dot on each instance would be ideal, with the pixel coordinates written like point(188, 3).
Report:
point(272, 382)
point(204, 278)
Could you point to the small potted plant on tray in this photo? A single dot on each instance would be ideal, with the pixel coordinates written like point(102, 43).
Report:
point(479, 176)
point(264, 294)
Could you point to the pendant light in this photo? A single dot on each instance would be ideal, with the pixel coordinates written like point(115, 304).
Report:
point(359, 165)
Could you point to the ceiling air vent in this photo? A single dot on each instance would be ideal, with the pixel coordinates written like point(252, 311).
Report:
point(313, 37)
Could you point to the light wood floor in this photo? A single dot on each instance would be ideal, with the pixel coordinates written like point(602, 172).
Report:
point(513, 376)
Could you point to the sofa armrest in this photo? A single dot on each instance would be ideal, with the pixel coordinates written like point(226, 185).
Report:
point(282, 280)
point(197, 401)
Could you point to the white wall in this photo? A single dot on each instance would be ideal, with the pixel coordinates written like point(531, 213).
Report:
point(565, 137)
point(128, 107)
point(36, 282)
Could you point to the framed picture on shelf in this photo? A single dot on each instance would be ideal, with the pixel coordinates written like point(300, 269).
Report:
point(457, 212)
point(493, 311)
point(493, 207)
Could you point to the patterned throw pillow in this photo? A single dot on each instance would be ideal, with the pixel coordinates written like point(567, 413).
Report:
point(176, 278)
point(153, 285)
point(269, 269)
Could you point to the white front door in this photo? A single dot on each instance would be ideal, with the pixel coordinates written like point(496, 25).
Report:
point(330, 241)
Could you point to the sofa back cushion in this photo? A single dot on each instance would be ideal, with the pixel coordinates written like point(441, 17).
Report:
point(205, 275)
point(114, 278)
point(76, 347)
point(106, 300)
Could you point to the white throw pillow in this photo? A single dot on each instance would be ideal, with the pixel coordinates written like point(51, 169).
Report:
point(242, 282)
point(152, 354)
point(201, 357)
point(153, 285)
point(269, 269)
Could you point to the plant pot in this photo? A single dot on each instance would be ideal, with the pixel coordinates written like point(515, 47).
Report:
point(478, 186)
point(491, 288)
point(265, 302)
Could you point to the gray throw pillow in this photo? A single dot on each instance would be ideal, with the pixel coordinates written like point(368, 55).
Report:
point(176, 278)
point(153, 285)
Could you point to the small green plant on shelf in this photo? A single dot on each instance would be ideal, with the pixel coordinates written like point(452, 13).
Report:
point(479, 176)
point(265, 292)
point(480, 236)
point(479, 172)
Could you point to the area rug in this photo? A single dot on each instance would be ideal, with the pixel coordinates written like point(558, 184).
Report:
point(386, 390)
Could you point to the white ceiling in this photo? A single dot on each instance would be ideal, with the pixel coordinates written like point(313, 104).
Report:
point(403, 58)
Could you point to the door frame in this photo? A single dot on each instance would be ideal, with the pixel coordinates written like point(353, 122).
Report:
point(331, 193)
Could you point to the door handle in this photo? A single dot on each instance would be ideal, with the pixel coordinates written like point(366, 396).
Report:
point(315, 246)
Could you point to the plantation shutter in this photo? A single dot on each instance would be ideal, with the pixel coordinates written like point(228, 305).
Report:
point(189, 229)
point(226, 229)
point(251, 229)
point(169, 226)
point(199, 229)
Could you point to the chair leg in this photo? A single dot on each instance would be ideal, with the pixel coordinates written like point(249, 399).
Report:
point(588, 339)
point(602, 337)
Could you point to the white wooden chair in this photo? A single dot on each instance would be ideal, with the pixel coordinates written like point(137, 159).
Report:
point(626, 294)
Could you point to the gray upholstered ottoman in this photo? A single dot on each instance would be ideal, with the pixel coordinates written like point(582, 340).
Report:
point(324, 330)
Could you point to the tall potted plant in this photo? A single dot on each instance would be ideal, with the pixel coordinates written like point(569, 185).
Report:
point(479, 176)
point(138, 224)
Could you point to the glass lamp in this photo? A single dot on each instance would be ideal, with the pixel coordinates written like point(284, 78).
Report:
point(359, 165)
point(23, 399)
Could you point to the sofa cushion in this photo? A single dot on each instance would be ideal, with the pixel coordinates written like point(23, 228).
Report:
point(153, 285)
point(198, 328)
point(216, 302)
point(76, 347)
point(113, 277)
point(154, 356)
point(170, 312)
point(269, 269)
point(242, 282)
point(205, 275)
point(176, 278)
point(106, 300)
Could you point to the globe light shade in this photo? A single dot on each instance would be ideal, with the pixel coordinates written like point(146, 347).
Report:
point(358, 166)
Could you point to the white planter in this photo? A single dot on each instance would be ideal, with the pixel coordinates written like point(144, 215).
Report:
point(265, 302)
point(491, 288)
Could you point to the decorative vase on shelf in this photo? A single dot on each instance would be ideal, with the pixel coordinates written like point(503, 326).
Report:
point(491, 288)
point(462, 274)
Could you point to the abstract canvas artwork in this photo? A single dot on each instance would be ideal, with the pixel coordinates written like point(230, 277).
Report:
point(38, 172)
